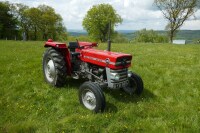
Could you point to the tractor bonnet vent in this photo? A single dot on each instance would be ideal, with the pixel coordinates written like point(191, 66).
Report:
point(123, 61)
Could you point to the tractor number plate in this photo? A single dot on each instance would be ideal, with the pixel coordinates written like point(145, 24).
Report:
point(120, 85)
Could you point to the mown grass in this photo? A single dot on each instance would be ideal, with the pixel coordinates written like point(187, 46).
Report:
point(169, 103)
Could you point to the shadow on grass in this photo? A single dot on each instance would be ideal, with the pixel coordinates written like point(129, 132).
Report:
point(122, 96)
point(73, 83)
point(110, 107)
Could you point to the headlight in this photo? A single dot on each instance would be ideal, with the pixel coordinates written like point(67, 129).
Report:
point(115, 76)
point(129, 73)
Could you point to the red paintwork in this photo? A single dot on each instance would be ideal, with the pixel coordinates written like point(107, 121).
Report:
point(90, 55)
point(87, 44)
point(68, 60)
point(51, 43)
point(98, 57)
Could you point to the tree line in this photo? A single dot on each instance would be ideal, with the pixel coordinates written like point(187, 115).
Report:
point(19, 21)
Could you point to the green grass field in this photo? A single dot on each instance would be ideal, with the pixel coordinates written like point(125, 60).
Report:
point(169, 103)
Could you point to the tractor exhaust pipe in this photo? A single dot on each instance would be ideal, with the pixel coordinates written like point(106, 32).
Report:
point(109, 41)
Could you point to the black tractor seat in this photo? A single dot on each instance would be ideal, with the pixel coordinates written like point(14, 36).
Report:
point(72, 46)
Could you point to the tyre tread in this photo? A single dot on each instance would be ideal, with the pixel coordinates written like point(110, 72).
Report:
point(140, 85)
point(60, 66)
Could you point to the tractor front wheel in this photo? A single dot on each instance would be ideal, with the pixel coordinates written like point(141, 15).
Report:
point(92, 97)
point(54, 67)
point(135, 84)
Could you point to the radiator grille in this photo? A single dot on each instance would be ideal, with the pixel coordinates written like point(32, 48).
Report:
point(123, 75)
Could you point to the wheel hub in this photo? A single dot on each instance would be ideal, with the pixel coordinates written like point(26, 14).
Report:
point(89, 100)
point(50, 70)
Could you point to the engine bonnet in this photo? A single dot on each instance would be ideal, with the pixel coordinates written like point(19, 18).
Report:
point(113, 60)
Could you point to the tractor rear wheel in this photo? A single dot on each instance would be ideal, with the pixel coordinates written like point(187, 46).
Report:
point(92, 97)
point(135, 84)
point(54, 67)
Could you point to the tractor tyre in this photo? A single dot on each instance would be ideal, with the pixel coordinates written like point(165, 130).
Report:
point(54, 67)
point(135, 84)
point(92, 97)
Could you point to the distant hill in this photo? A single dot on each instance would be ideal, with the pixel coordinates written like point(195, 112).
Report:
point(188, 35)
point(74, 32)
point(126, 31)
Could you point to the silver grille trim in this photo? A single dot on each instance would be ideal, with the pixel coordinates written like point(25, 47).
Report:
point(115, 84)
point(122, 72)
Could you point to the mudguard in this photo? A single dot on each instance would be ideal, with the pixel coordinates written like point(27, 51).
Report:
point(62, 47)
point(51, 43)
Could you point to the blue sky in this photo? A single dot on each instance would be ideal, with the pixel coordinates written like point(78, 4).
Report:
point(136, 14)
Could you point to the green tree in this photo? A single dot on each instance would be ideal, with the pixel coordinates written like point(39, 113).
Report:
point(23, 19)
point(34, 16)
point(40, 23)
point(8, 24)
point(51, 23)
point(119, 38)
point(176, 12)
point(60, 30)
point(149, 36)
point(96, 22)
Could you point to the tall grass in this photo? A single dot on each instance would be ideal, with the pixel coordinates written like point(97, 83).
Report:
point(169, 103)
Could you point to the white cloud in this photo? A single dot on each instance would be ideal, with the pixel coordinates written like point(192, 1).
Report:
point(137, 14)
point(192, 25)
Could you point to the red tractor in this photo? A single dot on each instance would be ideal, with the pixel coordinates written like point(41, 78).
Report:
point(101, 68)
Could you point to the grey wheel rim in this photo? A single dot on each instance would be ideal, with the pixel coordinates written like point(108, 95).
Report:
point(50, 71)
point(89, 99)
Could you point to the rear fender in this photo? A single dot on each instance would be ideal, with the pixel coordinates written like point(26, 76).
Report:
point(62, 47)
point(57, 45)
